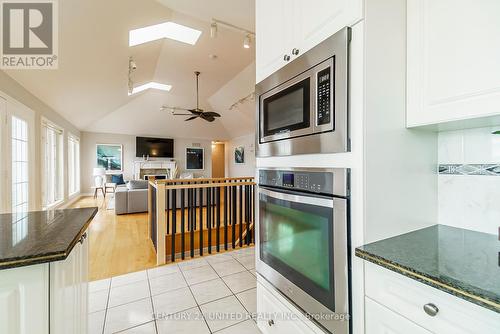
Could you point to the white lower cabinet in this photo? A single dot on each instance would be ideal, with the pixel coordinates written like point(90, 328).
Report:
point(24, 300)
point(47, 298)
point(381, 320)
point(407, 297)
point(68, 292)
point(274, 317)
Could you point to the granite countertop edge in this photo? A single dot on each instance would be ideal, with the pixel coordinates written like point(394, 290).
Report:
point(11, 263)
point(432, 281)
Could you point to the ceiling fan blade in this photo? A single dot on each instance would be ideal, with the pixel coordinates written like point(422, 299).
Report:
point(208, 118)
point(173, 108)
point(182, 114)
point(211, 113)
point(190, 118)
point(196, 111)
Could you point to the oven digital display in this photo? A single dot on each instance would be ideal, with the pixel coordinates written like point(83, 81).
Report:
point(288, 179)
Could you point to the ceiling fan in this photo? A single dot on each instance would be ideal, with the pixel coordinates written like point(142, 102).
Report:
point(197, 112)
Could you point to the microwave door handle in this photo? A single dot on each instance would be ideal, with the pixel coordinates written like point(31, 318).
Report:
point(324, 202)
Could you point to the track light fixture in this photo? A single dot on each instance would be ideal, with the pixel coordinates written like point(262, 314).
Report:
point(247, 41)
point(213, 29)
point(132, 66)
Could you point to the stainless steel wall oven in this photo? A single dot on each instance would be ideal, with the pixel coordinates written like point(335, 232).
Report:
point(302, 108)
point(303, 240)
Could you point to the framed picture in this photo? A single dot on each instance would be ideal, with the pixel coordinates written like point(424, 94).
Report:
point(239, 155)
point(110, 157)
point(195, 158)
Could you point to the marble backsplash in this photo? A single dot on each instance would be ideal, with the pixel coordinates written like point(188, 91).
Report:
point(469, 179)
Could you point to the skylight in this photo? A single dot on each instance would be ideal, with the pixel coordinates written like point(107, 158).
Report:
point(170, 30)
point(152, 84)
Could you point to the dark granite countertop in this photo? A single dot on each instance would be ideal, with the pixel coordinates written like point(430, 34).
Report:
point(461, 262)
point(28, 238)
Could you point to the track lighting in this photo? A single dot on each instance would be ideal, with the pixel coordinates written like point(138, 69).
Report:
point(247, 41)
point(213, 30)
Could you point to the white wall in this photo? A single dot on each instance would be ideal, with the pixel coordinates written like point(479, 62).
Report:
point(89, 140)
point(17, 92)
point(470, 201)
point(246, 169)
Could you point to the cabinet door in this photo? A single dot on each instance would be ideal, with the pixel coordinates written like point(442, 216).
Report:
point(68, 281)
point(452, 58)
point(273, 24)
point(317, 20)
point(380, 320)
point(24, 300)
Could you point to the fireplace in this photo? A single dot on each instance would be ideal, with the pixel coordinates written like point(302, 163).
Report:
point(159, 173)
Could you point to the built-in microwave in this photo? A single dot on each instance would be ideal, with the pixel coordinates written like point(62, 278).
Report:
point(302, 108)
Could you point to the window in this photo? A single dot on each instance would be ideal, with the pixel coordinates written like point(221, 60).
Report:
point(19, 140)
point(73, 164)
point(53, 164)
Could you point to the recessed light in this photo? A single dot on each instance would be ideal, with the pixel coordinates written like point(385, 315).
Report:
point(153, 85)
point(170, 30)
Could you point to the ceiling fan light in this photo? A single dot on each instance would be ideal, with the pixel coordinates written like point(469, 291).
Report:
point(247, 41)
point(213, 30)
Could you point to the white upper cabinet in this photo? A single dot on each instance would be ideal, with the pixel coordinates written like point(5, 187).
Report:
point(453, 53)
point(287, 28)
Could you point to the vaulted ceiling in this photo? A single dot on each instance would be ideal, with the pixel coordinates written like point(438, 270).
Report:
point(90, 86)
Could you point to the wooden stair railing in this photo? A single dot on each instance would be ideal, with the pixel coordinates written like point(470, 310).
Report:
point(188, 217)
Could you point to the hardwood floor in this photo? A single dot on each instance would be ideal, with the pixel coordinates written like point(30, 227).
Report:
point(119, 244)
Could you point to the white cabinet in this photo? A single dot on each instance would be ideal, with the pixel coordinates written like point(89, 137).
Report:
point(287, 28)
point(68, 291)
point(54, 294)
point(380, 320)
point(453, 72)
point(24, 300)
point(407, 298)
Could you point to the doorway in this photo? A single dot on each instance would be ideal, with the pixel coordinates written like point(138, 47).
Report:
point(218, 160)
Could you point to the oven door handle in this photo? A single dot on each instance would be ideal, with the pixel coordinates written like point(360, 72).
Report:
point(328, 203)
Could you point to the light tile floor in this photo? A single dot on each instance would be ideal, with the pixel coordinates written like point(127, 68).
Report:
point(211, 294)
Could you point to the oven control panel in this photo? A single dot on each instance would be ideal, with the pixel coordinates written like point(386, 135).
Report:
point(317, 182)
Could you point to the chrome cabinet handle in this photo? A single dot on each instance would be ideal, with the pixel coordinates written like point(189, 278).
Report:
point(295, 51)
point(286, 58)
point(431, 309)
point(82, 238)
point(270, 322)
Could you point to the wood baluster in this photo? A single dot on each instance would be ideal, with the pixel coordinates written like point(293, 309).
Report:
point(195, 223)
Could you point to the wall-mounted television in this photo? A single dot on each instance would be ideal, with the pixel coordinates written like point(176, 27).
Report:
point(154, 147)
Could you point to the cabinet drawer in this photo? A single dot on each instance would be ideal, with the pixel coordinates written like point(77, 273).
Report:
point(276, 318)
point(381, 320)
point(408, 297)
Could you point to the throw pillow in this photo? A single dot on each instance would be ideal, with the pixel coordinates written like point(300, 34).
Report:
point(117, 179)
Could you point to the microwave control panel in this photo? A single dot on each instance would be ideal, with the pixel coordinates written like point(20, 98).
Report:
point(317, 182)
point(323, 102)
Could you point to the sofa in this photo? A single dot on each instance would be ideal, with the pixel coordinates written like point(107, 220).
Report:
point(133, 198)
